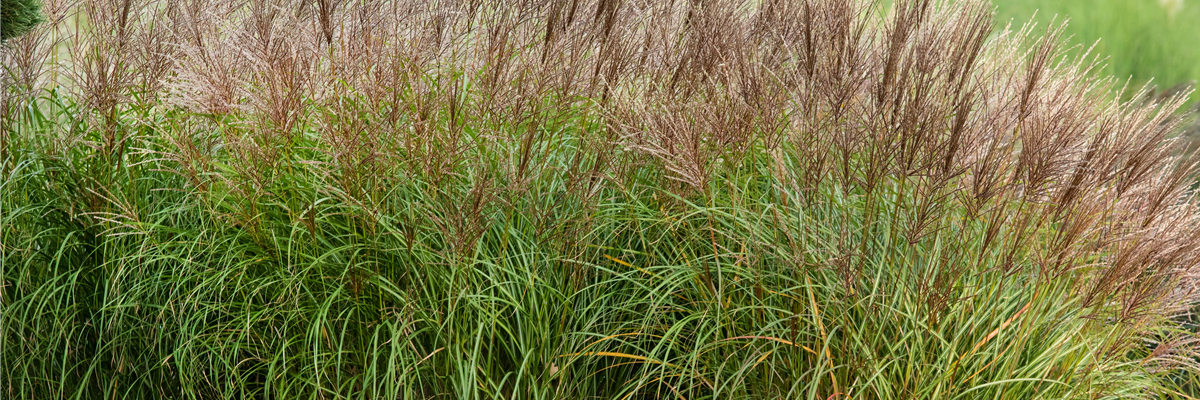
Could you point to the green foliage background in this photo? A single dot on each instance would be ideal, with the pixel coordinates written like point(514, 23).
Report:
point(1142, 39)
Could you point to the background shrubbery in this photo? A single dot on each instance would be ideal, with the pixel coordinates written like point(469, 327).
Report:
point(1142, 39)
point(576, 199)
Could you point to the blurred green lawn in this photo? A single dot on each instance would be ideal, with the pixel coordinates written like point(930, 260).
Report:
point(1142, 39)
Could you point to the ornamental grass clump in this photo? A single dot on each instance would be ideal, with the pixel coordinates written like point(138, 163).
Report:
point(269, 199)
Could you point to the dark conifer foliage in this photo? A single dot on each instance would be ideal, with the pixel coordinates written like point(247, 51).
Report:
point(18, 17)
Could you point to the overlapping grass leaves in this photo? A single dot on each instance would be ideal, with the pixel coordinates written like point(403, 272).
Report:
point(791, 200)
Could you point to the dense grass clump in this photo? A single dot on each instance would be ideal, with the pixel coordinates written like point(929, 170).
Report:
point(582, 200)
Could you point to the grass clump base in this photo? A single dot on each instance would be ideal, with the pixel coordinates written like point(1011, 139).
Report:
point(574, 199)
